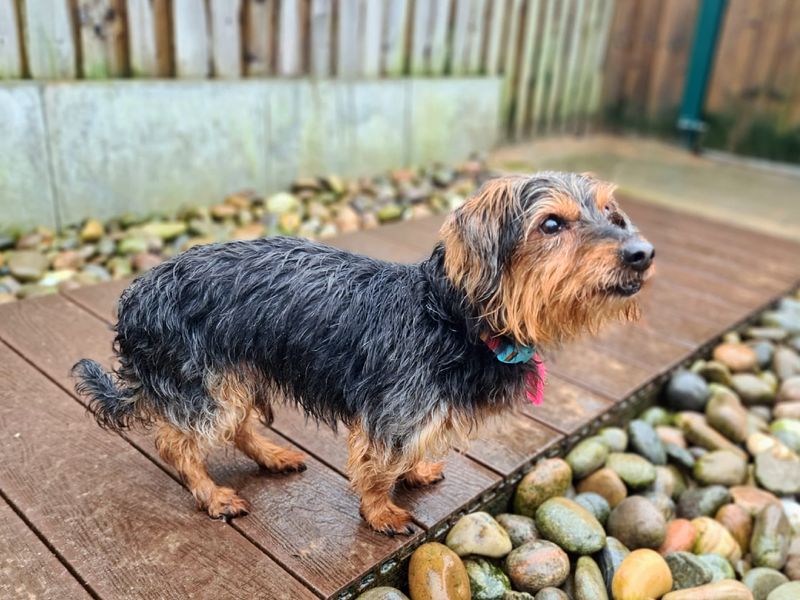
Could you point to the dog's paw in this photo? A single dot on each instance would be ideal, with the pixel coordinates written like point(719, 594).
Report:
point(425, 473)
point(286, 461)
point(391, 521)
point(226, 504)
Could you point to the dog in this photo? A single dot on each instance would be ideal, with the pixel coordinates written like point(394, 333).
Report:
point(411, 358)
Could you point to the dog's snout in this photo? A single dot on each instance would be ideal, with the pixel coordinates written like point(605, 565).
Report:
point(637, 254)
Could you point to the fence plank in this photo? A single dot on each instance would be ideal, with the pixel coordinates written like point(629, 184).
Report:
point(477, 22)
point(544, 68)
point(637, 77)
point(595, 95)
point(440, 20)
point(10, 48)
point(510, 65)
point(226, 38)
point(146, 57)
point(320, 29)
point(101, 26)
point(394, 31)
point(49, 40)
point(458, 52)
point(527, 59)
point(258, 35)
point(494, 36)
point(290, 57)
point(579, 32)
point(348, 43)
point(587, 62)
point(190, 26)
point(558, 50)
point(372, 18)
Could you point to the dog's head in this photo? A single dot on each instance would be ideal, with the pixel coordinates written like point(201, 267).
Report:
point(546, 257)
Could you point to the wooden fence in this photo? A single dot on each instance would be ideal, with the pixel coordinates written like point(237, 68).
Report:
point(549, 52)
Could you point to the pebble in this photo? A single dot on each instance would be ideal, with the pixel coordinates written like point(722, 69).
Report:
point(751, 498)
point(669, 481)
point(769, 544)
point(680, 456)
point(785, 362)
point(548, 593)
point(713, 371)
point(726, 414)
point(436, 573)
point(27, 265)
point(637, 523)
point(778, 474)
point(687, 391)
point(758, 442)
point(670, 436)
point(645, 441)
point(720, 567)
point(702, 502)
point(486, 580)
point(712, 537)
point(478, 533)
point(738, 522)
point(92, 231)
point(679, 537)
point(657, 416)
point(537, 565)
point(643, 575)
point(589, 584)
point(738, 357)
point(720, 467)
point(787, 410)
point(663, 503)
point(787, 591)
point(549, 478)
point(605, 483)
point(587, 456)
point(764, 348)
point(688, 570)
point(728, 589)
point(595, 504)
point(700, 433)
point(762, 581)
point(789, 390)
point(633, 469)
point(788, 432)
point(569, 525)
point(754, 389)
point(792, 511)
point(383, 593)
point(614, 437)
point(520, 529)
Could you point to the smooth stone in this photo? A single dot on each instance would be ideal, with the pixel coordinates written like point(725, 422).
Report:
point(635, 471)
point(569, 525)
point(785, 362)
point(549, 593)
point(589, 584)
point(550, 477)
point(133, 245)
point(645, 441)
point(719, 590)
point(712, 537)
point(663, 503)
point(700, 433)
point(726, 414)
point(687, 570)
point(772, 334)
point(27, 265)
point(166, 230)
point(436, 573)
point(720, 567)
point(787, 591)
point(787, 410)
point(614, 437)
point(680, 536)
point(282, 202)
point(778, 474)
point(762, 580)
point(753, 389)
point(786, 320)
point(520, 529)
point(595, 504)
point(758, 442)
point(643, 575)
point(769, 545)
point(586, 457)
point(607, 484)
point(486, 580)
point(680, 456)
point(657, 416)
point(637, 523)
point(92, 231)
point(537, 565)
point(514, 595)
point(720, 467)
point(738, 357)
point(714, 372)
point(383, 593)
point(739, 522)
point(610, 558)
point(789, 390)
point(792, 511)
point(751, 498)
point(478, 533)
point(686, 390)
point(765, 349)
point(671, 436)
point(669, 482)
point(788, 432)
point(702, 502)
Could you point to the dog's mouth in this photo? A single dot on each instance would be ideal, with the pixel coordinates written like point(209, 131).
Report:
point(627, 288)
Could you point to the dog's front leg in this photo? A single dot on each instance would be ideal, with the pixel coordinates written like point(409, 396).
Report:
point(424, 473)
point(373, 471)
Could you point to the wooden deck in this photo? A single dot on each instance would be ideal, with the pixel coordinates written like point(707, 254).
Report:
point(85, 513)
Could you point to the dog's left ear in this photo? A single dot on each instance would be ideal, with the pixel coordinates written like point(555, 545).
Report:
point(480, 237)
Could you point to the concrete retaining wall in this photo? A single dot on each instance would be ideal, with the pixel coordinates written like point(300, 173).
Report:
point(70, 150)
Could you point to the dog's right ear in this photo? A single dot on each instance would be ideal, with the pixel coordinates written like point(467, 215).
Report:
point(479, 238)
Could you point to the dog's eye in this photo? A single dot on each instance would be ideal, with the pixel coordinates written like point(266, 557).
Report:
point(614, 217)
point(551, 225)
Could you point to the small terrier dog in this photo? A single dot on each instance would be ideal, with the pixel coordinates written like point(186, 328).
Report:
point(411, 358)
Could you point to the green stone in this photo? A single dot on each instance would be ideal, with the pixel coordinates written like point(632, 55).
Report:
point(634, 470)
point(486, 581)
point(570, 526)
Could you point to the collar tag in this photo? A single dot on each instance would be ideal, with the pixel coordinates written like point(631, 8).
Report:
point(512, 354)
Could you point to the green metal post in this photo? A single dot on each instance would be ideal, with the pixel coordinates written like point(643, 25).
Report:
point(709, 23)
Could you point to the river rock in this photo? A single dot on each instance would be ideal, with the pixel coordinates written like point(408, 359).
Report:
point(769, 544)
point(645, 441)
point(610, 558)
point(788, 432)
point(738, 522)
point(779, 474)
point(762, 581)
point(687, 570)
point(787, 410)
point(589, 584)
point(657, 416)
point(758, 442)
point(738, 357)
point(436, 573)
point(687, 391)
point(637, 523)
point(680, 456)
point(728, 589)
point(720, 567)
point(680, 536)
point(789, 390)
point(537, 565)
point(595, 504)
point(91, 231)
point(785, 362)
point(792, 511)
point(614, 437)
point(754, 389)
point(700, 433)
point(702, 502)
point(586, 457)
point(712, 537)
point(548, 593)
point(634, 470)
point(478, 533)
point(486, 580)
point(569, 525)
point(786, 591)
point(27, 265)
point(671, 436)
point(726, 414)
point(751, 498)
point(663, 503)
point(720, 467)
point(607, 484)
point(520, 529)
point(551, 477)
point(713, 371)
point(644, 574)
point(669, 481)
point(383, 593)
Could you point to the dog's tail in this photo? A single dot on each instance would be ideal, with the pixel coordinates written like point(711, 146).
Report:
point(114, 406)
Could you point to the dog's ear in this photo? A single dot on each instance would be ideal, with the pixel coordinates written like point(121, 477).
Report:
point(480, 237)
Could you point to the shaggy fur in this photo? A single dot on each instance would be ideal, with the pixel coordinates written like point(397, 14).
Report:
point(210, 339)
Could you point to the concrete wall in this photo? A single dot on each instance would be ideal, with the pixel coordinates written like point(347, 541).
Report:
point(70, 150)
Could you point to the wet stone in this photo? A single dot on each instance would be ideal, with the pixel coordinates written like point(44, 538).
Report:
point(486, 580)
point(637, 523)
point(635, 471)
point(607, 484)
point(520, 529)
point(569, 525)
point(702, 502)
point(720, 566)
point(478, 533)
point(610, 558)
point(645, 441)
point(720, 467)
point(778, 474)
point(383, 593)
point(537, 565)
point(762, 580)
point(595, 504)
point(436, 573)
point(614, 437)
point(549, 478)
point(687, 391)
point(769, 544)
point(589, 584)
point(643, 574)
point(687, 570)
point(586, 457)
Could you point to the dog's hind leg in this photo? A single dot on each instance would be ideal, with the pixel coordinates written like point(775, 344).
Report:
point(373, 471)
point(185, 453)
point(269, 456)
point(424, 473)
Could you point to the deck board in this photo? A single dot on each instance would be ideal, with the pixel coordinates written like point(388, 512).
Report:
point(709, 277)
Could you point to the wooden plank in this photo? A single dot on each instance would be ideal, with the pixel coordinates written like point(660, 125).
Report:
point(556, 93)
point(394, 37)
point(420, 37)
point(785, 81)
point(326, 547)
point(149, 38)
point(259, 16)
point(190, 28)
point(108, 510)
point(544, 70)
point(580, 31)
point(226, 38)
point(595, 95)
point(440, 20)
point(637, 78)
point(290, 52)
point(513, 443)
point(510, 68)
point(458, 50)
point(587, 64)
point(477, 20)
point(10, 46)
point(100, 299)
point(49, 40)
point(623, 26)
point(372, 38)
point(28, 569)
point(103, 38)
point(494, 37)
point(568, 407)
point(532, 19)
point(348, 43)
point(321, 27)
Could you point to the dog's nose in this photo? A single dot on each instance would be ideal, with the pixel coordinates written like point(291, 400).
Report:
point(637, 254)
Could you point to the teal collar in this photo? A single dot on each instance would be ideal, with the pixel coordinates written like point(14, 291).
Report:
point(508, 352)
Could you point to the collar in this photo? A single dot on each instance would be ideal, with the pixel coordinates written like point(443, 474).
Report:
point(510, 353)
